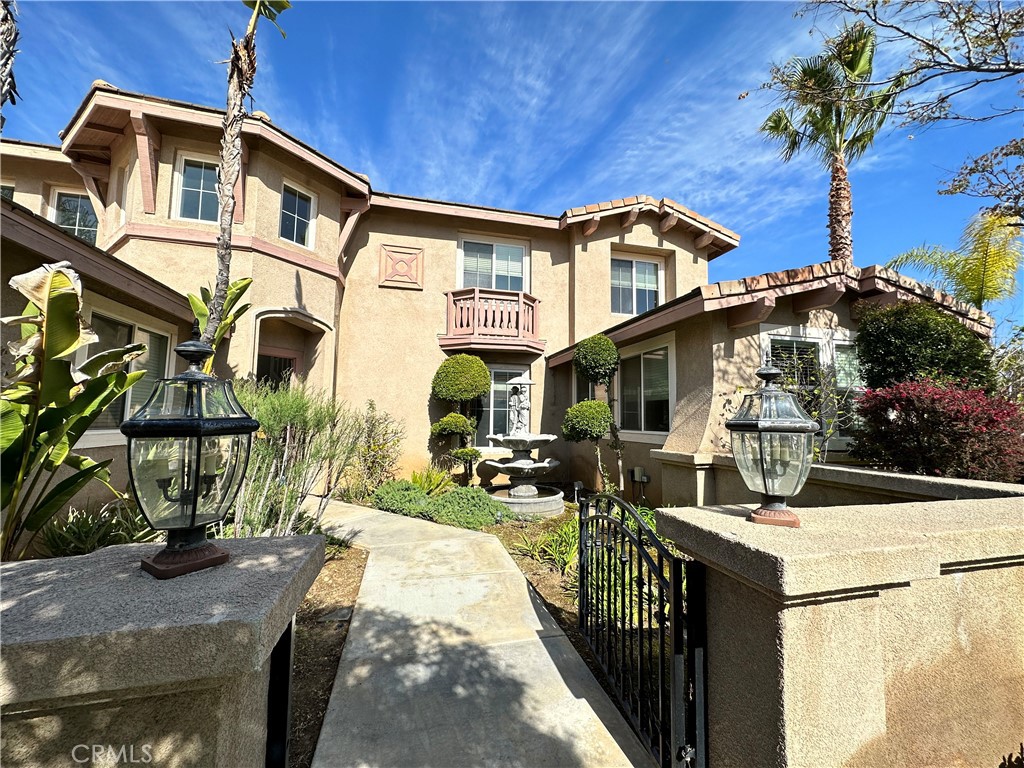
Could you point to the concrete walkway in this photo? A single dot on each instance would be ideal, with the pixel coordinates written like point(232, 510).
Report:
point(452, 662)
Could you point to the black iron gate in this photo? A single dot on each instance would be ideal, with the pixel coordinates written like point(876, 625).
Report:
point(647, 636)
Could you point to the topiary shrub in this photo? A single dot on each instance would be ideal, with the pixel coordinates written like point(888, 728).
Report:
point(587, 420)
point(596, 359)
point(468, 457)
point(452, 424)
point(910, 341)
point(931, 428)
point(401, 497)
point(471, 508)
point(461, 378)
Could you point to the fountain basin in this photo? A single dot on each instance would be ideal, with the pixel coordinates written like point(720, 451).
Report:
point(547, 503)
point(524, 442)
point(521, 468)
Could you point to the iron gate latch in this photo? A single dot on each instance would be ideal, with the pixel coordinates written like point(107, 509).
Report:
point(686, 754)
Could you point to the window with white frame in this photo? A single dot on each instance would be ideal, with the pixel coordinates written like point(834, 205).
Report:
point(502, 266)
point(298, 212)
point(491, 410)
point(73, 212)
point(114, 332)
point(583, 389)
point(636, 286)
point(819, 366)
point(196, 189)
point(645, 384)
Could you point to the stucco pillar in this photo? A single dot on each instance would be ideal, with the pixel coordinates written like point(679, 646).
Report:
point(883, 635)
point(101, 663)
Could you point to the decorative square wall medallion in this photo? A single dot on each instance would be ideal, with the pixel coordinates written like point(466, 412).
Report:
point(401, 267)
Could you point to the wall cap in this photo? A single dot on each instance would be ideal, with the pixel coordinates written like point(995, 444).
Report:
point(846, 551)
point(92, 625)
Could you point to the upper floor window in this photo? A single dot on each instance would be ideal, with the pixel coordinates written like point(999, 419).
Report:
point(503, 266)
point(298, 213)
point(114, 332)
point(73, 213)
point(635, 286)
point(197, 189)
point(7, 191)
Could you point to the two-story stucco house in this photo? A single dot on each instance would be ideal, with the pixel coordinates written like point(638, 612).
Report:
point(364, 293)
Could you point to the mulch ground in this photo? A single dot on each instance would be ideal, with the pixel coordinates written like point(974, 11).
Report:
point(318, 646)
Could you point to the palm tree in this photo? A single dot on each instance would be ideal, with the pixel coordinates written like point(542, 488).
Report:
point(241, 74)
point(8, 48)
point(830, 111)
point(984, 267)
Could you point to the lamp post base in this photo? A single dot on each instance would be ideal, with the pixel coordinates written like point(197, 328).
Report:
point(187, 551)
point(773, 511)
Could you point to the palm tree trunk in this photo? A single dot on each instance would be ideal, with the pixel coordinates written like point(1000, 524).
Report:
point(8, 47)
point(840, 213)
point(241, 72)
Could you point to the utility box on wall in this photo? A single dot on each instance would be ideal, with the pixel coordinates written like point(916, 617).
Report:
point(100, 659)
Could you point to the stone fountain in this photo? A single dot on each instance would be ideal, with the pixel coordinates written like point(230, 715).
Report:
point(523, 496)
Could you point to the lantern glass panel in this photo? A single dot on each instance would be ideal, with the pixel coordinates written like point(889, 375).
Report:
point(163, 469)
point(773, 463)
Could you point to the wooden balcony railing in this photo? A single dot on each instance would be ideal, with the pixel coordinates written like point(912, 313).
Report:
point(482, 319)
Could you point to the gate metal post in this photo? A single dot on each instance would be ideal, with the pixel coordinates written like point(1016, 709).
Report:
point(697, 661)
point(681, 740)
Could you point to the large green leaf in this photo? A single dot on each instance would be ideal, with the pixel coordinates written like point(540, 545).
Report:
point(12, 423)
point(200, 310)
point(64, 331)
point(111, 361)
point(54, 501)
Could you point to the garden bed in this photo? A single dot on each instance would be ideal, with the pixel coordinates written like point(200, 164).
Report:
point(318, 646)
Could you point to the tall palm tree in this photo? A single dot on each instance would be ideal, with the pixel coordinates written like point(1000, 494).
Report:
point(241, 74)
point(984, 267)
point(829, 110)
point(8, 48)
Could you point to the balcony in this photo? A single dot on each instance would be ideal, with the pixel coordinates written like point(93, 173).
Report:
point(481, 319)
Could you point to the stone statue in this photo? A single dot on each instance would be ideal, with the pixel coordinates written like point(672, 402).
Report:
point(518, 410)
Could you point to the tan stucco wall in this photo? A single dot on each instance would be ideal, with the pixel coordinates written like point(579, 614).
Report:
point(388, 346)
point(35, 173)
point(870, 636)
point(590, 289)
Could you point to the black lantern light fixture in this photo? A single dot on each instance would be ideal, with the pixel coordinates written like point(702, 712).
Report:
point(773, 444)
point(188, 448)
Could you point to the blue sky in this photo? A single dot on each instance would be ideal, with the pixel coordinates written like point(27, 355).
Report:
point(531, 106)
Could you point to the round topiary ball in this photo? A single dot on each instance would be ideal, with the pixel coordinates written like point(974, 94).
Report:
point(461, 378)
point(596, 359)
point(452, 424)
point(587, 420)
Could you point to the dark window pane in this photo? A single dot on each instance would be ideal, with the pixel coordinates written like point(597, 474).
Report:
point(189, 204)
point(631, 381)
point(192, 175)
point(300, 231)
point(287, 226)
point(112, 334)
point(208, 211)
point(302, 206)
point(656, 394)
point(7, 192)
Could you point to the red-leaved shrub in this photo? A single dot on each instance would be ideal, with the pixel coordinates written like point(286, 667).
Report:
point(932, 428)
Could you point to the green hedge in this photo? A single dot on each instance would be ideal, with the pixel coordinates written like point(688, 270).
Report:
point(452, 424)
point(596, 359)
point(471, 508)
point(461, 378)
point(587, 420)
point(911, 341)
point(401, 497)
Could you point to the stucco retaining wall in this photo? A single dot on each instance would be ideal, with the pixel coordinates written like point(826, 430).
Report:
point(873, 635)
